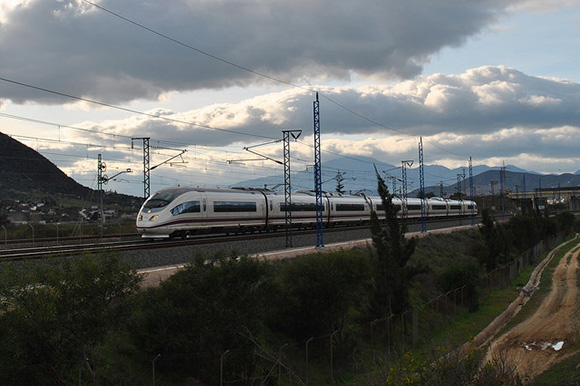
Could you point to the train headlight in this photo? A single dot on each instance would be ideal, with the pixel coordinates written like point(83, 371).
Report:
point(153, 218)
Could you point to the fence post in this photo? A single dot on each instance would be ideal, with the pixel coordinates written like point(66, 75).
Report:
point(415, 328)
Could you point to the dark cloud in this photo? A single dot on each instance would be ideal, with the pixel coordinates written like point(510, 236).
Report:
point(479, 102)
point(76, 48)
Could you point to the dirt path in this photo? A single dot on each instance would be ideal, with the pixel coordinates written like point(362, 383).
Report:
point(535, 344)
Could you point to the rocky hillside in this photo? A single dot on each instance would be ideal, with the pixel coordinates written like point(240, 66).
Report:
point(23, 169)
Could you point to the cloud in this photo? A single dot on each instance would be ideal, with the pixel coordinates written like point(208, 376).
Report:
point(76, 48)
point(481, 101)
point(542, 6)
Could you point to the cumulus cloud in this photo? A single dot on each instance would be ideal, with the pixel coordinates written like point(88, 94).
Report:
point(488, 113)
point(481, 101)
point(74, 47)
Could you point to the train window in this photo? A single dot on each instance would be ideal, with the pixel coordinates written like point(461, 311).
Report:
point(300, 207)
point(395, 207)
point(349, 207)
point(186, 207)
point(470, 207)
point(413, 207)
point(439, 207)
point(234, 206)
point(159, 200)
point(455, 207)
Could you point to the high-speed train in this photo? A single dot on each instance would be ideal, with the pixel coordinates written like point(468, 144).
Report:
point(182, 211)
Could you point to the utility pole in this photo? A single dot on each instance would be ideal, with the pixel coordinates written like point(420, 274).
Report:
point(101, 168)
point(287, 184)
point(422, 189)
point(525, 198)
point(502, 188)
point(146, 168)
point(471, 193)
point(318, 176)
point(104, 179)
point(404, 165)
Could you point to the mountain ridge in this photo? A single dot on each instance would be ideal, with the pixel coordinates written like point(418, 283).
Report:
point(24, 170)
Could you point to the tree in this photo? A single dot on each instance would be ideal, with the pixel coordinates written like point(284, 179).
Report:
point(317, 292)
point(392, 278)
point(339, 182)
point(3, 214)
point(53, 315)
point(496, 248)
point(207, 308)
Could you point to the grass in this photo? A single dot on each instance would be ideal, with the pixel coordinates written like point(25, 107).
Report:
point(567, 371)
point(465, 326)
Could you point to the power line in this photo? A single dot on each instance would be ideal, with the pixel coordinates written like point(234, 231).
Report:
point(258, 73)
point(126, 109)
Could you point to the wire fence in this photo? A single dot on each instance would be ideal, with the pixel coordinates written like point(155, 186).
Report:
point(357, 348)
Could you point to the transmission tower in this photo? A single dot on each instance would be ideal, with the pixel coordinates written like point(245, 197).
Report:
point(318, 176)
point(471, 193)
point(146, 168)
point(525, 201)
point(104, 179)
point(287, 184)
point(404, 165)
point(422, 189)
point(101, 167)
point(502, 188)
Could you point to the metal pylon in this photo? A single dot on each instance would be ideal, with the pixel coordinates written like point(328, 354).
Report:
point(471, 192)
point(422, 189)
point(318, 177)
point(404, 165)
point(146, 167)
point(287, 183)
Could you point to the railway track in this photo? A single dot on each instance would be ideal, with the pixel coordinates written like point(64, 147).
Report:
point(26, 253)
point(72, 246)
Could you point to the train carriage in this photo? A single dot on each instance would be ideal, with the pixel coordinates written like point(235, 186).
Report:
point(349, 209)
point(303, 209)
point(181, 211)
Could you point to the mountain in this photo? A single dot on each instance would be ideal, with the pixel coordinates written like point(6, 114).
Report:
point(359, 175)
point(23, 169)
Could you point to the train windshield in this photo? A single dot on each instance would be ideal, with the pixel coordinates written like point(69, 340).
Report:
point(159, 200)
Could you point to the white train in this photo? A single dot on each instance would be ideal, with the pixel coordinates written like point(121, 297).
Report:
point(182, 211)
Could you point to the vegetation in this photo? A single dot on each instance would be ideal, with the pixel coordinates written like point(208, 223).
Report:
point(348, 317)
point(392, 274)
point(55, 314)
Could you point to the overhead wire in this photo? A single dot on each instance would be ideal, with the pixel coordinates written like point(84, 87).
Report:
point(132, 111)
point(157, 116)
point(258, 73)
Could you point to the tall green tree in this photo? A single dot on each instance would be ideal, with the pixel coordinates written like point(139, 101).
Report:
point(53, 314)
point(3, 214)
point(339, 182)
point(392, 251)
point(496, 249)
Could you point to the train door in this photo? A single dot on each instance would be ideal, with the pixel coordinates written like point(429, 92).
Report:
point(204, 209)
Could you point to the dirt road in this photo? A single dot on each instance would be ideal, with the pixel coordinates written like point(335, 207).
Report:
point(540, 341)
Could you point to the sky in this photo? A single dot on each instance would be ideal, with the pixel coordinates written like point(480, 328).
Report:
point(208, 80)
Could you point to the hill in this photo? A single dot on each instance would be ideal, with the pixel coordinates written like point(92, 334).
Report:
point(25, 173)
point(24, 170)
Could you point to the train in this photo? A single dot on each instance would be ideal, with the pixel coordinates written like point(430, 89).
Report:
point(178, 212)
